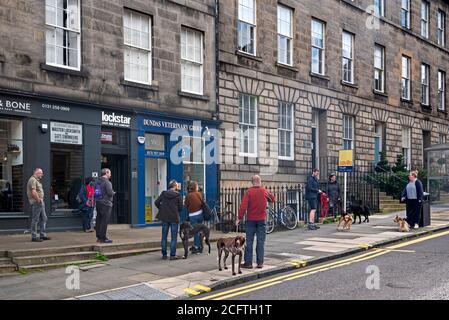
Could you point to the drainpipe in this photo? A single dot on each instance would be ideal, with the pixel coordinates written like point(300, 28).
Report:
point(217, 79)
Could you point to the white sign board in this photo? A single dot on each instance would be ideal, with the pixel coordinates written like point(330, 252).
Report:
point(66, 133)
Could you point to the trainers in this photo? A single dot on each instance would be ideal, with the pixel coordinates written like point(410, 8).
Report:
point(45, 238)
point(311, 227)
point(416, 226)
point(196, 251)
point(164, 257)
point(246, 266)
point(36, 240)
point(175, 258)
point(259, 266)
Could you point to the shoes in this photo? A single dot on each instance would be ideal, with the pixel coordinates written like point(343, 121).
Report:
point(259, 266)
point(164, 257)
point(36, 240)
point(175, 258)
point(89, 231)
point(105, 241)
point(416, 226)
point(312, 227)
point(196, 251)
point(246, 266)
point(45, 238)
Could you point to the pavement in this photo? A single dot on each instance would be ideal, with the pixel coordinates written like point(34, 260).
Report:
point(148, 277)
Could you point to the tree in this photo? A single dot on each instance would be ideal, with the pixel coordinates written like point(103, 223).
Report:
point(400, 165)
point(383, 165)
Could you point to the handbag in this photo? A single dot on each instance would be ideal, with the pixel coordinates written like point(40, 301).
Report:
point(207, 213)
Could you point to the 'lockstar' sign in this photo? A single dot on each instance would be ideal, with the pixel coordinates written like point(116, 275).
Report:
point(111, 119)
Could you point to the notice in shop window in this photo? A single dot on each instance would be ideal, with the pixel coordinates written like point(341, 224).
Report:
point(66, 133)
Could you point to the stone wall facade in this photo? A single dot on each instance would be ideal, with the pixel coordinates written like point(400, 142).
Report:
point(272, 83)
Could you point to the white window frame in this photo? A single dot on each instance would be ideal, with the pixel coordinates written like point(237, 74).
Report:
point(287, 37)
point(442, 138)
point(441, 90)
point(405, 10)
point(425, 19)
point(406, 77)
point(381, 69)
point(379, 8)
point(407, 146)
point(200, 64)
point(425, 84)
point(251, 24)
point(322, 49)
point(348, 131)
point(131, 47)
point(51, 26)
point(349, 56)
point(248, 124)
point(441, 26)
point(290, 112)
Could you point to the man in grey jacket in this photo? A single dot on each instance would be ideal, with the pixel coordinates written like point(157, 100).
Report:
point(104, 203)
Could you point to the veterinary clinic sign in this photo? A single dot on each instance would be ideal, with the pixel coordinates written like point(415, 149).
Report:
point(346, 161)
point(66, 133)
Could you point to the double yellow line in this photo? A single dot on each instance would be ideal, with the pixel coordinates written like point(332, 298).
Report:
point(299, 274)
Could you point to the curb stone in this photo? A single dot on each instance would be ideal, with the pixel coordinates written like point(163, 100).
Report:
point(283, 269)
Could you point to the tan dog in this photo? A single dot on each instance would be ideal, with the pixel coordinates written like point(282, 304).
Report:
point(234, 246)
point(403, 225)
point(347, 221)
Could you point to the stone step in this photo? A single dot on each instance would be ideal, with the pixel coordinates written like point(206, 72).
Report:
point(48, 251)
point(393, 208)
point(6, 268)
point(111, 248)
point(54, 259)
point(47, 266)
point(384, 202)
point(128, 253)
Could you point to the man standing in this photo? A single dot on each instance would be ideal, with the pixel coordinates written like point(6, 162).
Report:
point(104, 195)
point(312, 191)
point(413, 195)
point(254, 204)
point(169, 204)
point(35, 194)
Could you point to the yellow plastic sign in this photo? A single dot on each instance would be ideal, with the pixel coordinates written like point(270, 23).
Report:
point(346, 160)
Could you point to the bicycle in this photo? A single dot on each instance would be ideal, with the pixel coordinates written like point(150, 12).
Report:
point(285, 216)
point(223, 222)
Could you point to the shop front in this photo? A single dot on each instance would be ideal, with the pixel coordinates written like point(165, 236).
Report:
point(70, 142)
point(174, 148)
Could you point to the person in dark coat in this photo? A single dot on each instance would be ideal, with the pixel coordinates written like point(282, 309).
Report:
point(333, 192)
point(413, 196)
point(312, 191)
point(170, 206)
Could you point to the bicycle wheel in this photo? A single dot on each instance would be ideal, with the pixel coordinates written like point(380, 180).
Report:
point(271, 222)
point(288, 218)
point(227, 222)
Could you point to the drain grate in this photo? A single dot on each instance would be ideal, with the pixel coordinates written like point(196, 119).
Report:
point(140, 292)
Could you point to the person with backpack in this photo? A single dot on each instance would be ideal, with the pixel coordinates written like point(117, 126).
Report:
point(194, 204)
point(169, 204)
point(87, 204)
point(104, 197)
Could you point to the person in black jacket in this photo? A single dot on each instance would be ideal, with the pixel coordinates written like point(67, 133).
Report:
point(413, 196)
point(170, 205)
point(333, 192)
point(312, 191)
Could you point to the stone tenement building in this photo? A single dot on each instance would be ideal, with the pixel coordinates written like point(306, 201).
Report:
point(87, 84)
point(325, 75)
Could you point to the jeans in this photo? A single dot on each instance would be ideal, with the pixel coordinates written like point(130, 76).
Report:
point(38, 217)
point(174, 238)
point(87, 214)
point(253, 228)
point(103, 218)
point(193, 221)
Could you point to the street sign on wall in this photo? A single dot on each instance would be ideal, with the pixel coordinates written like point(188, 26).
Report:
point(346, 161)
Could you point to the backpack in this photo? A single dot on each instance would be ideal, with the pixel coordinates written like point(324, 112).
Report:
point(206, 211)
point(98, 194)
point(81, 195)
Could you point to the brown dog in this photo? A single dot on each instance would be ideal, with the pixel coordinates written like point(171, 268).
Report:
point(347, 221)
point(403, 225)
point(234, 246)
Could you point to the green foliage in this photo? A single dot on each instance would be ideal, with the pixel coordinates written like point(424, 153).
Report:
point(383, 165)
point(400, 165)
point(101, 257)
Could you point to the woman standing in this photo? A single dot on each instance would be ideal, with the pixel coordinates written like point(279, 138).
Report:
point(413, 195)
point(194, 205)
point(86, 195)
point(333, 191)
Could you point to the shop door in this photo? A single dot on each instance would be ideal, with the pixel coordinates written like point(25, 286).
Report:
point(118, 164)
point(155, 183)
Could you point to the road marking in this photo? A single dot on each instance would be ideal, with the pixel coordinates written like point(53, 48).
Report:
point(202, 288)
point(191, 291)
point(299, 274)
point(403, 251)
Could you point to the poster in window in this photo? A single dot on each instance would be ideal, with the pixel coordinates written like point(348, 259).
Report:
point(66, 133)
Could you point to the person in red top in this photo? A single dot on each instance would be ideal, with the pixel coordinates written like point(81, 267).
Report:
point(254, 204)
point(86, 196)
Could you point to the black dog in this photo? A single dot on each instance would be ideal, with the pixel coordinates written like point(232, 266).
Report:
point(187, 231)
point(359, 210)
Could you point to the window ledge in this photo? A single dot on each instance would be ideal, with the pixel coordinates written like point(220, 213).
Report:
point(62, 70)
point(249, 56)
point(407, 101)
point(286, 66)
point(193, 96)
point(138, 85)
point(442, 111)
point(348, 84)
point(426, 106)
point(380, 93)
point(320, 76)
